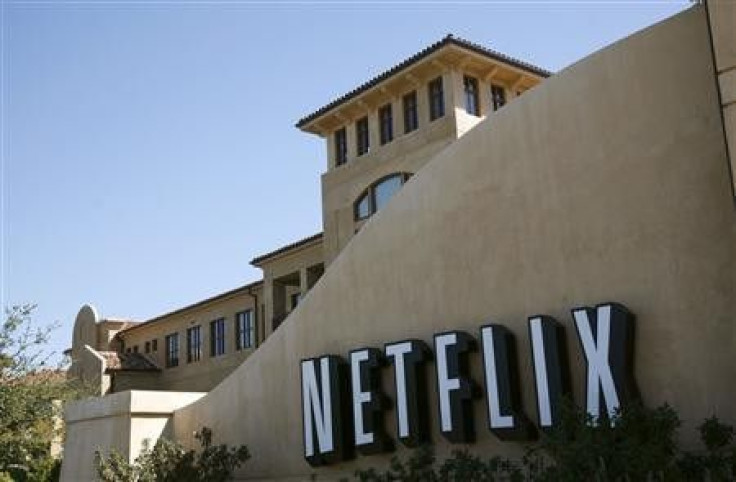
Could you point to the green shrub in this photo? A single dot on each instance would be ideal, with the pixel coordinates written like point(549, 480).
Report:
point(168, 461)
point(636, 444)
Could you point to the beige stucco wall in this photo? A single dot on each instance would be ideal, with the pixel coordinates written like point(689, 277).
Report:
point(204, 374)
point(120, 421)
point(607, 182)
point(407, 153)
point(722, 14)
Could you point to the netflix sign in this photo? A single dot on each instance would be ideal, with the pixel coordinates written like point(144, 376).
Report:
point(343, 403)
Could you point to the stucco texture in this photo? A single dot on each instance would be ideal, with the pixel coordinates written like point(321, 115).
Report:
point(609, 182)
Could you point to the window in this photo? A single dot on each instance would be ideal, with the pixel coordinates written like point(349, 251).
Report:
point(194, 344)
point(411, 119)
point(245, 330)
point(135, 349)
point(472, 105)
point(154, 345)
point(385, 118)
point(129, 350)
point(295, 297)
point(361, 131)
point(148, 347)
point(341, 147)
point(217, 337)
point(378, 194)
point(172, 350)
point(436, 99)
point(498, 96)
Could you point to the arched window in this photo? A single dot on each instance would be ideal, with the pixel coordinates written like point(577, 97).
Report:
point(378, 194)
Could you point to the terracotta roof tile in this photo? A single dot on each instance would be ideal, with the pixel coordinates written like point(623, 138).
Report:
point(136, 362)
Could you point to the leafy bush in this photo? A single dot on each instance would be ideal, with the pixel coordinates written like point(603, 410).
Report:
point(636, 444)
point(168, 461)
point(29, 391)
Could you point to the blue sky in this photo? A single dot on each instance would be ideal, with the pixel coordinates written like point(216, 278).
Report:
point(148, 148)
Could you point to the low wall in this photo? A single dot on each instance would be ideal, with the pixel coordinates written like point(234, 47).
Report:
point(121, 421)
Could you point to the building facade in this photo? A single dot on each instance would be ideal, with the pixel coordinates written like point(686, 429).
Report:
point(376, 137)
point(579, 242)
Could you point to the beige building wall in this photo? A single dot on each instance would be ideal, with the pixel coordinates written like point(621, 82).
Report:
point(407, 152)
point(722, 15)
point(199, 375)
point(566, 197)
point(288, 275)
point(120, 422)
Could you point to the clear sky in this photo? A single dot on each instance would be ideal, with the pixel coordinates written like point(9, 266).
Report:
point(149, 149)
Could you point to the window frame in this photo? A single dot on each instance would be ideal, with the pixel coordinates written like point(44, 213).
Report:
point(411, 122)
point(370, 193)
point(386, 124)
point(362, 132)
point(194, 344)
point(471, 94)
point(341, 146)
point(495, 104)
point(217, 339)
point(172, 350)
point(436, 93)
point(245, 335)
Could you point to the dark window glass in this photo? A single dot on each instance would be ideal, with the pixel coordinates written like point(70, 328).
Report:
point(362, 137)
point(194, 344)
point(295, 299)
point(385, 118)
point(436, 99)
point(135, 349)
point(148, 347)
point(363, 207)
point(172, 350)
point(472, 105)
point(341, 147)
point(154, 345)
point(377, 195)
point(217, 337)
point(411, 118)
point(498, 96)
point(245, 330)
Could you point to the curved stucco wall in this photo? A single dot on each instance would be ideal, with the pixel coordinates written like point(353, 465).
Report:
point(607, 182)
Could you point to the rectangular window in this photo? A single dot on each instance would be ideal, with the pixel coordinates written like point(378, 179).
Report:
point(154, 345)
point(135, 349)
point(217, 337)
point(385, 118)
point(470, 85)
point(172, 350)
point(194, 344)
point(295, 299)
point(245, 330)
point(436, 99)
point(498, 96)
point(341, 147)
point(361, 135)
point(411, 117)
point(148, 347)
